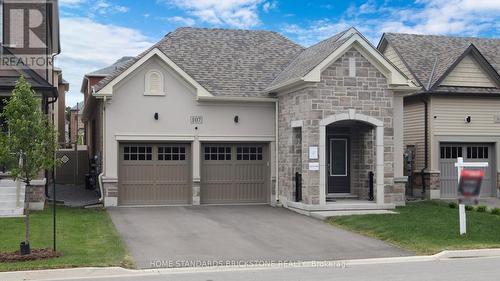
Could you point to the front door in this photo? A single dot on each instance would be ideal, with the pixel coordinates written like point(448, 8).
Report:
point(338, 165)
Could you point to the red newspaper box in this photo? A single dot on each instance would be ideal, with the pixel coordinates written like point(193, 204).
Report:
point(469, 186)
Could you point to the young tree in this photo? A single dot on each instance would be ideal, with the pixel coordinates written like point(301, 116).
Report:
point(30, 139)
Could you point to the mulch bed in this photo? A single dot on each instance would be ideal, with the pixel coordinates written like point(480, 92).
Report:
point(36, 254)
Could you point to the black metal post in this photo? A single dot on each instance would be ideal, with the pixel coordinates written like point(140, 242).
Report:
point(298, 187)
point(370, 177)
point(54, 205)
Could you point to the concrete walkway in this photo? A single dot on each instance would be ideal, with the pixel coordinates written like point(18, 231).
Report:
point(190, 236)
point(74, 195)
point(490, 202)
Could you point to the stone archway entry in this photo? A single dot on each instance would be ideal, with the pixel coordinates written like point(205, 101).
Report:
point(325, 168)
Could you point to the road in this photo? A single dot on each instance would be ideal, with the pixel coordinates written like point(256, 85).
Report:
point(477, 269)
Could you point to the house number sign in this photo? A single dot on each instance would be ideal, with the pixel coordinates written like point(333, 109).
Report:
point(196, 120)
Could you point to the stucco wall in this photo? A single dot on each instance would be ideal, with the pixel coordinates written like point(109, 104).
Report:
point(367, 93)
point(130, 115)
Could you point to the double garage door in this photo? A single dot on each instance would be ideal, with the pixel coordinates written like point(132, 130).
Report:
point(160, 174)
point(472, 152)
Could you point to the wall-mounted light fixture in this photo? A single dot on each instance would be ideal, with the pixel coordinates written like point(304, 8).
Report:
point(236, 119)
point(156, 116)
point(468, 119)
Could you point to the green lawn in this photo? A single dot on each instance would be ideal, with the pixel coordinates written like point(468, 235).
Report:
point(86, 237)
point(427, 228)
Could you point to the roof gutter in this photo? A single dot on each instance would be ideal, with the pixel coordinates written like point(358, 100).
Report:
point(235, 99)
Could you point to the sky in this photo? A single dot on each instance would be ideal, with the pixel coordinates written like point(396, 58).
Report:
point(95, 33)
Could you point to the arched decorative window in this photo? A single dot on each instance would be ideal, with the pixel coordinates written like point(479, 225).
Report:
point(154, 83)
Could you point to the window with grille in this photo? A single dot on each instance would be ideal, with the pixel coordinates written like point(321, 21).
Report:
point(137, 153)
point(477, 152)
point(217, 153)
point(171, 153)
point(249, 153)
point(451, 152)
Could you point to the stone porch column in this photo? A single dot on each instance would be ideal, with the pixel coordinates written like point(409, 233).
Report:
point(380, 165)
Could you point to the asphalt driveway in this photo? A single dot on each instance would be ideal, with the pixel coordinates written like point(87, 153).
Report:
point(205, 235)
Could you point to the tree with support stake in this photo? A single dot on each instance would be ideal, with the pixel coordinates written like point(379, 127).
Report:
point(30, 139)
point(469, 187)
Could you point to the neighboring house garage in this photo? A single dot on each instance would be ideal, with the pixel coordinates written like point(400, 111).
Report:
point(471, 152)
point(455, 113)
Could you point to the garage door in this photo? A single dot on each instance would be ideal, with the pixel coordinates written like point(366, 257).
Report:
point(234, 173)
point(154, 174)
point(471, 153)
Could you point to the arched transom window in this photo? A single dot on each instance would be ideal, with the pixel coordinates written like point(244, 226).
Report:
point(154, 83)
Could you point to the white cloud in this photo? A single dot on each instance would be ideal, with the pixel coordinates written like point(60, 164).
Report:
point(181, 20)
point(71, 3)
point(270, 5)
point(87, 45)
point(315, 31)
point(233, 13)
point(449, 17)
point(103, 7)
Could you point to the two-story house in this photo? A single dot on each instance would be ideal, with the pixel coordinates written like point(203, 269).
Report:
point(456, 112)
point(32, 57)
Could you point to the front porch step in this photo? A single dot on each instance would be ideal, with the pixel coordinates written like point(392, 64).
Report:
point(323, 215)
point(335, 197)
point(340, 205)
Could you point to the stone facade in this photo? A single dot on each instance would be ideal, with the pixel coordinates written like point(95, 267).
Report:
point(432, 184)
point(337, 92)
point(36, 196)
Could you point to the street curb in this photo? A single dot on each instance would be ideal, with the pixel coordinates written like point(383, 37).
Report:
point(106, 272)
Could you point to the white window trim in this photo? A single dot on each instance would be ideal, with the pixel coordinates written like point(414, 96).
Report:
point(146, 83)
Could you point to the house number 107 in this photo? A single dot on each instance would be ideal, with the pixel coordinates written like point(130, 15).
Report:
point(196, 120)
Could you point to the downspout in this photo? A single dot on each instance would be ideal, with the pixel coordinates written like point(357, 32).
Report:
point(276, 182)
point(426, 145)
point(101, 188)
point(426, 133)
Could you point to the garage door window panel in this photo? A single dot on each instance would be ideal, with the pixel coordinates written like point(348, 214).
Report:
point(217, 153)
point(477, 152)
point(451, 152)
point(171, 153)
point(251, 153)
point(137, 153)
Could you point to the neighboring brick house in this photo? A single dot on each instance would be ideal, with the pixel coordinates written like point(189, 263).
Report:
point(91, 115)
point(45, 79)
point(76, 125)
point(187, 125)
point(456, 111)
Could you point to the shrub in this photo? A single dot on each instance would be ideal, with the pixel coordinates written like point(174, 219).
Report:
point(482, 209)
point(469, 208)
point(495, 211)
point(453, 205)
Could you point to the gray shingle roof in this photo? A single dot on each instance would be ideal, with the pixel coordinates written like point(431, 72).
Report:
point(225, 62)
point(308, 59)
point(109, 69)
point(420, 52)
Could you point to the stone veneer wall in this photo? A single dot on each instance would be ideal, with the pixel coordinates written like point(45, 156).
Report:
point(432, 184)
point(367, 93)
point(36, 197)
